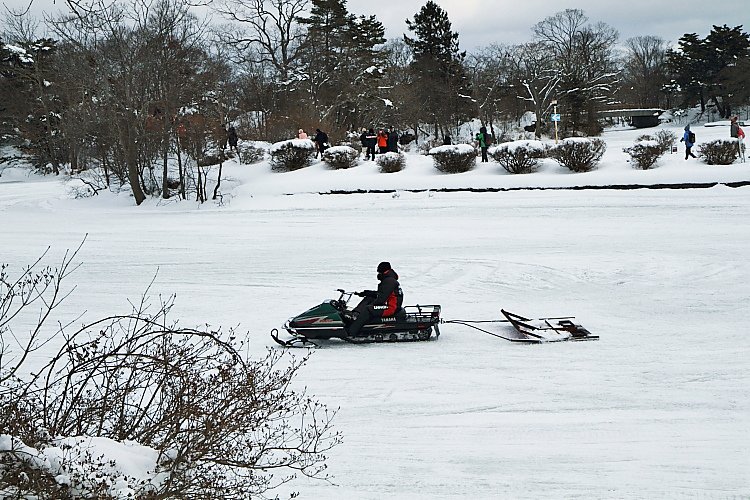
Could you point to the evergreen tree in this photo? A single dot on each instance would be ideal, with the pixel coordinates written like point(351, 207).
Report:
point(711, 69)
point(444, 90)
point(342, 69)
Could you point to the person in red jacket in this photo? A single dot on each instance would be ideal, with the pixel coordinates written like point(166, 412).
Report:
point(384, 302)
point(383, 141)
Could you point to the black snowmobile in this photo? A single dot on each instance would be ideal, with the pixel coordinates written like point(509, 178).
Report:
point(331, 318)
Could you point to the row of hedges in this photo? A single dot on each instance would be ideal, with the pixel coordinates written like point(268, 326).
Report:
point(577, 154)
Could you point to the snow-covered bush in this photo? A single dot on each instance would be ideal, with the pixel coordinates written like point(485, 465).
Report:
point(252, 151)
point(579, 154)
point(292, 154)
point(664, 138)
point(644, 153)
point(339, 157)
point(719, 151)
point(136, 406)
point(455, 158)
point(391, 162)
point(518, 157)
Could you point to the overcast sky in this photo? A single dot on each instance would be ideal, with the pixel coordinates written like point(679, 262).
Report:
point(481, 22)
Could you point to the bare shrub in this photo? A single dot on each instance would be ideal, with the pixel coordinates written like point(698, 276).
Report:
point(292, 154)
point(341, 157)
point(578, 154)
point(719, 151)
point(391, 162)
point(454, 158)
point(518, 157)
point(218, 424)
point(666, 140)
point(644, 153)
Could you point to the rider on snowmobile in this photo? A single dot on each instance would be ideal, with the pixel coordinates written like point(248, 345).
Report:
point(384, 302)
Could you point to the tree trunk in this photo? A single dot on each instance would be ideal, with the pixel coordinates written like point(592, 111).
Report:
point(218, 180)
point(179, 167)
point(165, 177)
point(127, 137)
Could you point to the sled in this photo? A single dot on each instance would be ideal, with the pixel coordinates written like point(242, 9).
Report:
point(530, 331)
point(331, 319)
point(548, 329)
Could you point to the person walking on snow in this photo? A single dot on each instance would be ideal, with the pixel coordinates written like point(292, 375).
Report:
point(482, 139)
point(689, 139)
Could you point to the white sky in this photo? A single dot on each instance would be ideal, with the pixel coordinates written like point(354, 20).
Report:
point(481, 22)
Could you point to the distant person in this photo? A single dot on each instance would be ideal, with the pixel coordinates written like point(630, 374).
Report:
point(393, 141)
point(372, 141)
point(447, 141)
point(382, 141)
point(301, 134)
point(483, 141)
point(734, 132)
point(734, 127)
point(232, 139)
point(689, 139)
point(363, 140)
point(321, 141)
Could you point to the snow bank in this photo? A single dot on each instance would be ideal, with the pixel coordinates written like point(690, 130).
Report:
point(292, 143)
point(462, 149)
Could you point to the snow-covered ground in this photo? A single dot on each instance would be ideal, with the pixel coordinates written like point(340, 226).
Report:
point(658, 408)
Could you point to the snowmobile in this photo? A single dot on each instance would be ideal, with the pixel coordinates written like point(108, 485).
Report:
point(331, 319)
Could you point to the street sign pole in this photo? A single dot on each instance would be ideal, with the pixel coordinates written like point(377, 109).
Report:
point(555, 118)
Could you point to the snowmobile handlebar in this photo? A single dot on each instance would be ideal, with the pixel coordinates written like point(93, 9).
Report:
point(363, 293)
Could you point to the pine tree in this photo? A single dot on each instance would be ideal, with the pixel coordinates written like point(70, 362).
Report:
point(342, 69)
point(439, 74)
point(711, 69)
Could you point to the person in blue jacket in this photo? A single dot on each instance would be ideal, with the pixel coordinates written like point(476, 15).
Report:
point(689, 139)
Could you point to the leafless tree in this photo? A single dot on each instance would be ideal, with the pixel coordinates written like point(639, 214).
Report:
point(584, 56)
point(270, 32)
point(538, 79)
point(645, 70)
point(494, 73)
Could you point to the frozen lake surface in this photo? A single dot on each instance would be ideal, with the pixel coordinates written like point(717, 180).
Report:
point(658, 408)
